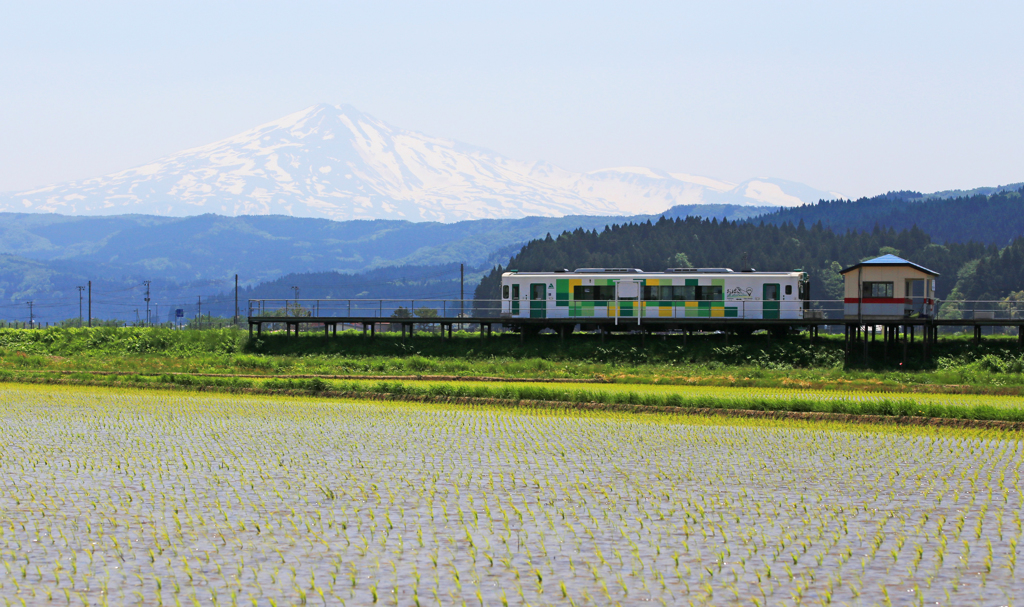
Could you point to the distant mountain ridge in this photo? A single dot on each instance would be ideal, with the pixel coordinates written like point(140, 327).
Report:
point(262, 248)
point(338, 163)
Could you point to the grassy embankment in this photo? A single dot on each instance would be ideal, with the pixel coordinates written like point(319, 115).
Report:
point(995, 366)
point(704, 373)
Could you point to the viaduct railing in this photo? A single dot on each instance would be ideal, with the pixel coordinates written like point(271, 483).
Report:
point(424, 310)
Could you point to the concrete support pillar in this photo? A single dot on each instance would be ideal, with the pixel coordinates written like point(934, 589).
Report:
point(373, 330)
point(866, 342)
point(259, 329)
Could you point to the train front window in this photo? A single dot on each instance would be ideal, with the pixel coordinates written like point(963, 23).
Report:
point(504, 292)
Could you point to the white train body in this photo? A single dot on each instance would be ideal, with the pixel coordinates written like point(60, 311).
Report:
point(690, 293)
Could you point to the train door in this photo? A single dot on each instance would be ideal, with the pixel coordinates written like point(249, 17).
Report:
point(770, 301)
point(538, 300)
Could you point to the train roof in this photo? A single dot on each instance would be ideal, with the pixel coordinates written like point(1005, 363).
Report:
point(671, 271)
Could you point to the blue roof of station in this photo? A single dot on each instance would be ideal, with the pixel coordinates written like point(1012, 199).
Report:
point(890, 260)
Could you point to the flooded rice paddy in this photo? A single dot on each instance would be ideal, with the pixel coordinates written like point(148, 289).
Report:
point(122, 497)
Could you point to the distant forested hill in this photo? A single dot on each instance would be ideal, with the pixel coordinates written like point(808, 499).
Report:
point(44, 257)
point(264, 247)
point(995, 218)
point(653, 246)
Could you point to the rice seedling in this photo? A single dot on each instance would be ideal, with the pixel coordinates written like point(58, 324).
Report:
point(114, 496)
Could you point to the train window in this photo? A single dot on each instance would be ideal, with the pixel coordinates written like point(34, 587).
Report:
point(656, 293)
point(878, 290)
point(789, 289)
point(515, 291)
point(504, 292)
point(687, 293)
point(709, 293)
point(595, 293)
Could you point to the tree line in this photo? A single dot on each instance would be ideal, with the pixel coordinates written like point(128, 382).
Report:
point(975, 269)
point(995, 218)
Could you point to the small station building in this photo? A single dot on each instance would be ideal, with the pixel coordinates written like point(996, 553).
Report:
point(888, 288)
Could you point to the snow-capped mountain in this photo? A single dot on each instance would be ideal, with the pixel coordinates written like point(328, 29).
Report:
point(338, 163)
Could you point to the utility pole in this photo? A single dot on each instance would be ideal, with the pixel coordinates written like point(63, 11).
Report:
point(146, 282)
point(90, 303)
point(31, 316)
point(462, 290)
point(200, 312)
point(297, 301)
point(236, 299)
point(80, 289)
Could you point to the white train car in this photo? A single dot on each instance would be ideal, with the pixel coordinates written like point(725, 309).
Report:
point(631, 294)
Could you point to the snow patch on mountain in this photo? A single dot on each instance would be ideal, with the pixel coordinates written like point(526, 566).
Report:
point(338, 163)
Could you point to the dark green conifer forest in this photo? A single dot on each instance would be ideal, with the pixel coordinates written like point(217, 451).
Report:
point(996, 218)
point(974, 270)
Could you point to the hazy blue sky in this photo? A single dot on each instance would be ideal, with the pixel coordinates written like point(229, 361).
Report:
point(858, 97)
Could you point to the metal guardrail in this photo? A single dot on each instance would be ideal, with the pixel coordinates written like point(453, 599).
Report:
point(427, 309)
point(980, 310)
point(385, 309)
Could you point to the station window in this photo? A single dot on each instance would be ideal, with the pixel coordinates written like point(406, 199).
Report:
point(878, 290)
point(504, 292)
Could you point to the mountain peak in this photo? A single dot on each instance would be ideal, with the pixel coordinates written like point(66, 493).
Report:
point(337, 162)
